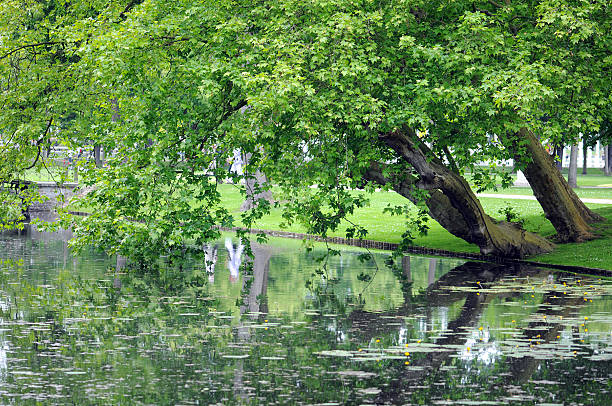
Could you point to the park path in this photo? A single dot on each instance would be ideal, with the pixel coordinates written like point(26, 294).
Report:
point(524, 197)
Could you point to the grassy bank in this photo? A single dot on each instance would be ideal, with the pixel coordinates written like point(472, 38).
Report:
point(384, 227)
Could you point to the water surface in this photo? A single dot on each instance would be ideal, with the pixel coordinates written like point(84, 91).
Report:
point(85, 330)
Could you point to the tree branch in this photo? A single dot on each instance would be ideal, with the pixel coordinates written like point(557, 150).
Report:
point(40, 140)
point(30, 46)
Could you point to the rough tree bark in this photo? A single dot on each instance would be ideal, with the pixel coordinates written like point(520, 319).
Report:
point(572, 173)
point(453, 204)
point(567, 213)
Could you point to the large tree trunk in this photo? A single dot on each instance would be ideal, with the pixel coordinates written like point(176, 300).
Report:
point(567, 213)
point(453, 204)
point(607, 149)
point(572, 174)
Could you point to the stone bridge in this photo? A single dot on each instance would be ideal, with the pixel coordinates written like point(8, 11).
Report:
point(57, 195)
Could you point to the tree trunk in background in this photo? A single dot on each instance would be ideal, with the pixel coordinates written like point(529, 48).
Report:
point(585, 151)
point(254, 184)
point(572, 173)
point(567, 213)
point(607, 149)
point(97, 156)
point(558, 156)
point(453, 204)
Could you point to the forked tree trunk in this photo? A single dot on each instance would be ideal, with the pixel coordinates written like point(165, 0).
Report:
point(572, 173)
point(567, 213)
point(453, 204)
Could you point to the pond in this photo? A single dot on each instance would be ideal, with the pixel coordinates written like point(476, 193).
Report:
point(84, 330)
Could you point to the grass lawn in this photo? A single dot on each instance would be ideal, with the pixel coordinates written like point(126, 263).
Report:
point(590, 192)
point(594, 177)
point(384, 227)
point(53, 174)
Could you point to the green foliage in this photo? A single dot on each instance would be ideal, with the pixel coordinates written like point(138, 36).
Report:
point(172, 89)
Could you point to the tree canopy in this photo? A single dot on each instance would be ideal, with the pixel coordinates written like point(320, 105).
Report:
point(406, 94)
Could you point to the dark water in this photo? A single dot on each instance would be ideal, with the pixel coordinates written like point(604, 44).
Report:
point(81, 330)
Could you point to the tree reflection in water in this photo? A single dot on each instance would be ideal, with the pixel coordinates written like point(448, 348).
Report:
point(477, 332)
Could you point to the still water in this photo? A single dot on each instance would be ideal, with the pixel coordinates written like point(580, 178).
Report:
point(86, 330)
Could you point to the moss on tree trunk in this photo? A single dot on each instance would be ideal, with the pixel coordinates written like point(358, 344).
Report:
point(453, 204)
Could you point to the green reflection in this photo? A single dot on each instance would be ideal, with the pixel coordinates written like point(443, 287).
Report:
point(89, 331)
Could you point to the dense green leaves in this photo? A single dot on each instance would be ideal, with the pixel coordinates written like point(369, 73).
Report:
point(174, 90)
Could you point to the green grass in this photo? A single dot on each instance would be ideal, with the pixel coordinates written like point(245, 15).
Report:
point(384, 227)
point(594, 177)
point(52, 174)
point(593, 193)
point(595, 254)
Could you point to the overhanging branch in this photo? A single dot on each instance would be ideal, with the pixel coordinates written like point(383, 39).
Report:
point(39, 44)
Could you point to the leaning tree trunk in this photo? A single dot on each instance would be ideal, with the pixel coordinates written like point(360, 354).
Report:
point(568, 214)
point(453, 204)
point(572, 173)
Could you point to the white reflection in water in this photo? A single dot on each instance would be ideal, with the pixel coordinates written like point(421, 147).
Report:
point(4, 346)
point(234, 258)
point(340, 334)
point(443, 317)
point(210, 260)
point(479, 348)
point(402, 336)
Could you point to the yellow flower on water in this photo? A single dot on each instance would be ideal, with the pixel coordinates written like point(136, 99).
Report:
point(407, 362)
point(406, 353)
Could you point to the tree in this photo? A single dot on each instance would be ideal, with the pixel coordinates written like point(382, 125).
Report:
point(337, 91)
point(573, 168)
